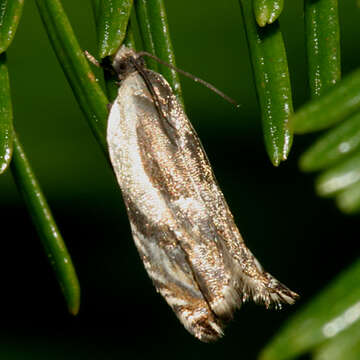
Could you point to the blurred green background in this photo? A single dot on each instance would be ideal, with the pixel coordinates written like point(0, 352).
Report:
point(301, 239)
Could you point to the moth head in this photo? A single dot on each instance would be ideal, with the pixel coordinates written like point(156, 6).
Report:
point(123, 62)
point(123, 67)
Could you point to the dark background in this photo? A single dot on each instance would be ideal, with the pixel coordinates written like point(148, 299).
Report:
point(301, 239)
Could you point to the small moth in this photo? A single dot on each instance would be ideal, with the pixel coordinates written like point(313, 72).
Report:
point(181, 224)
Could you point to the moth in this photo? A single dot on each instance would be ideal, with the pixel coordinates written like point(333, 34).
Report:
point(181, 224)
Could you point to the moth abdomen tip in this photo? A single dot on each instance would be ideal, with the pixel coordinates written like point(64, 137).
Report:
point(207, 328)
point(279, 295)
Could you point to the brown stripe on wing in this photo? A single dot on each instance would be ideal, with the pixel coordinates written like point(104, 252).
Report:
point(241, 274)
point(168, 267)
point(169, 171)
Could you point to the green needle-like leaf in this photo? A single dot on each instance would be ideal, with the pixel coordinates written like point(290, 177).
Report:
point(322, 32)
point(348, 200)
point(339, 177)
point(336, 105)
point(111, 25)
point(334, 310)
point(118, 31)
point(10, 14)
point(154, 30)
point(83, 82)
point(267, 11)
point(143, 19)
point(271, 73)
point(41, 215)
point(111, 80)
point(96, 10)
point(129, 40)
point(6, 117)
point(333, 146)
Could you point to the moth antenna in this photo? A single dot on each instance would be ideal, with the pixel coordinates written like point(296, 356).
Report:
point(92, 59)
point(191, 76)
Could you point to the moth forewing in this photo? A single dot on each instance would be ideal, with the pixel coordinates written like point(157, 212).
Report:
point(181, 224)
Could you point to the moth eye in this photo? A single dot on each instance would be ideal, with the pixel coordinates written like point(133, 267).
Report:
point(122, 67)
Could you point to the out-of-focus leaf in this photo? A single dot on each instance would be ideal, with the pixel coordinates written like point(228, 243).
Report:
point(333, 146)
point(339, 177)
point(340, 102)
point(334, 310)
point(345, 346)
point(348, 200)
